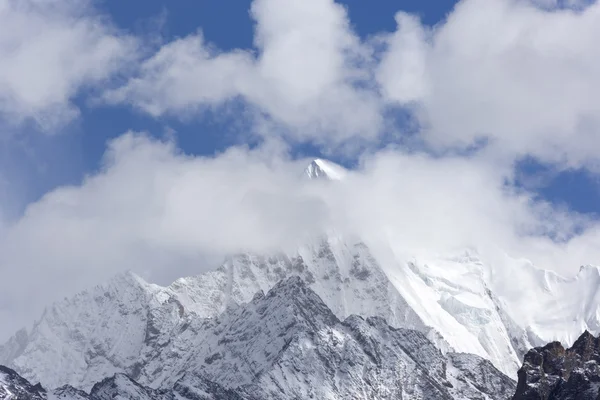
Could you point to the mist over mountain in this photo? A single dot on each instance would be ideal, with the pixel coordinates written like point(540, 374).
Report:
point(276, 199)
point(469, 314)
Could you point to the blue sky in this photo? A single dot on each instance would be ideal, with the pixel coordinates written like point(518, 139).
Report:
point(41, 163)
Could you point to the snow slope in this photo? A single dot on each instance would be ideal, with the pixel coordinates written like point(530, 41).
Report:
point(90, 336)
point(550, 306)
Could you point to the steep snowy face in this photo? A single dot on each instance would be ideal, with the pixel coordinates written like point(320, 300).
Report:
point(498, 310)
point(95, 334)
point(322, 169)
point(551, 307)
point(451, 295)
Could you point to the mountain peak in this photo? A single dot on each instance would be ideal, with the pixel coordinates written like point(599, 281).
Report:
point(323, 169)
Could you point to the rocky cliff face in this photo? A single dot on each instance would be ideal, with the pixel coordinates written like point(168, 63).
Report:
point(289, 344)
point(119, 386)
point(555, 373)
point(13, 387)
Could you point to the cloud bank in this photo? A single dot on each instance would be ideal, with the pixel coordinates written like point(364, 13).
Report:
point(517, 76)
point(163, 214)
point(508, 71)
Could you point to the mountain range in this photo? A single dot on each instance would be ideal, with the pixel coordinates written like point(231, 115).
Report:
point(288, 344)
point(341, 319)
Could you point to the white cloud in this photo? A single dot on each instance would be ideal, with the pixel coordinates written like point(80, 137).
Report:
point(402, 70)
point(304, 77)
point(519, 73)
point(49, 50)
point(522, 76)
point(184, 75)
point(164, 214)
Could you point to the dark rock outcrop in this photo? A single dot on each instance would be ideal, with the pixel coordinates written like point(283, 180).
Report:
point(555, 373)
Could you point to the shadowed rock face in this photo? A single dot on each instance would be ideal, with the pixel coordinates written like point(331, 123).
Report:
point(13, 386)
point(555, 373)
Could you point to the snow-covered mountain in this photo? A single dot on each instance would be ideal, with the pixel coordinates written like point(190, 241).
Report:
point(323, 169)
point(107, 329)
point(288, 344)
point(461, 302)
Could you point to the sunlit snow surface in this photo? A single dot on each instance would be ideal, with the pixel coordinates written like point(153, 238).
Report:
point(322, 169)
point(462, 302)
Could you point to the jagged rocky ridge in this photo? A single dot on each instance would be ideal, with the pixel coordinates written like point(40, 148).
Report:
point(119, 386)
point(13, 386)
point(289, 344)
point(555, 373)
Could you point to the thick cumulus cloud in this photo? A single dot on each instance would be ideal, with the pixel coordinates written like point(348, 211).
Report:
point(521, 75)
point(49, 50)
point(155, 211)
point(164, 214)
point(305, 77)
